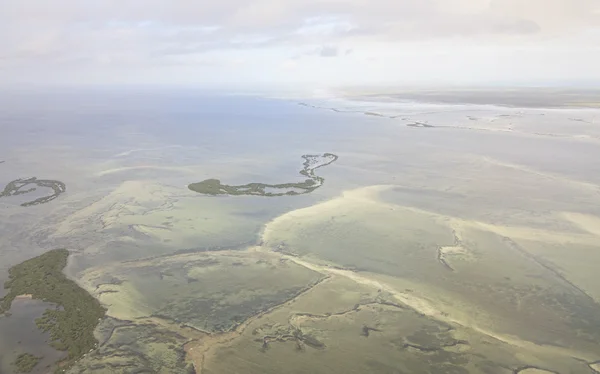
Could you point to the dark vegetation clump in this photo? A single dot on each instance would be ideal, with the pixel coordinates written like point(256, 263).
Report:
point(18, 187)
point(25, 362)
point(76, 314)
point(311, 163)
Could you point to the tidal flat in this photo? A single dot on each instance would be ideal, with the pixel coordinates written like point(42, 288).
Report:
point(465, 245)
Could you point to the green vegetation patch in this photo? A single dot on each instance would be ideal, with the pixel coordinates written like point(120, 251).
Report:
point(311, 163)
point(25, 362)
point(71, 324)
point(17, 187)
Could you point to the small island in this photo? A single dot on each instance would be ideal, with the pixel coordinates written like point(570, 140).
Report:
point(17, 187)
point(25, 362)
point(76, 314)
point(311, 163)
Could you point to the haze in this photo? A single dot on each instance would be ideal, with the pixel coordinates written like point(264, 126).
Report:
point(312, 44)
point(300, 186)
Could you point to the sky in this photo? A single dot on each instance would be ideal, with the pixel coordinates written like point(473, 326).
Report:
point(299, 43)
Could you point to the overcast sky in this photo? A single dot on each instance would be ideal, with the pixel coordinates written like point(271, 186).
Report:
point(313, 43)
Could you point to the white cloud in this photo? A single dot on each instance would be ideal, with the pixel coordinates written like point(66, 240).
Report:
point(72, 40)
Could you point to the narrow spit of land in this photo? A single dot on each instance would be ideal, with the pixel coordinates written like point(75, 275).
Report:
point(76, 314)
point(311, 163)
point(17, 187)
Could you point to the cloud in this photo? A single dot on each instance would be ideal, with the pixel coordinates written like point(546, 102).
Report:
point(37, 35)
point(322, 51)
point(328, 51)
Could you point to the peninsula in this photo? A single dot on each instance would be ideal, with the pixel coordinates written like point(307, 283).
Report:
point(72, 322)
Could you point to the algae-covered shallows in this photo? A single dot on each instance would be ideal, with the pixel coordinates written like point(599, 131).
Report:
point(311, 163)
point(72, 322)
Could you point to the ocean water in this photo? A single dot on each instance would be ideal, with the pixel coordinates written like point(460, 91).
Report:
point(19, 334)
point(502, 165)
point(95, 140)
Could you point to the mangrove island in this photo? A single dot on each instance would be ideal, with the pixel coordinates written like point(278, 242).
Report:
point(76, 314)
point(17, 187)
point(311, 163)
